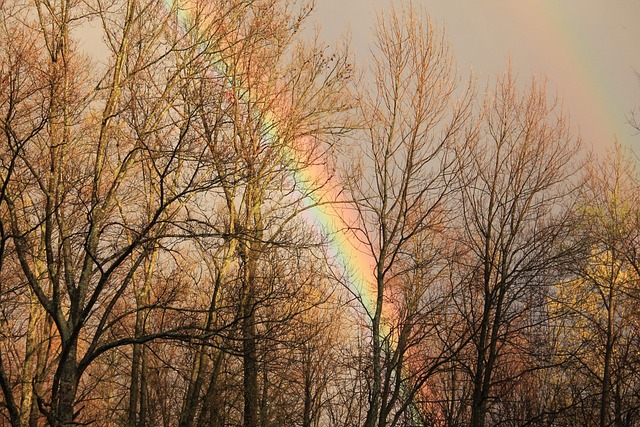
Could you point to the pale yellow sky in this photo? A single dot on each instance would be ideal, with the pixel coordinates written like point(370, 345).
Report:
point(587, 49)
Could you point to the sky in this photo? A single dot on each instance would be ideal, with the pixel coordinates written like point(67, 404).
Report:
point(588, 50)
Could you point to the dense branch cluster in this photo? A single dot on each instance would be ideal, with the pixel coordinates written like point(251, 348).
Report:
point(159, 264)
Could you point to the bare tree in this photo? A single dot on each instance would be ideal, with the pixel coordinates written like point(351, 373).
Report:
point(599, 319)
point(23, 92)
point(73, 214)
point(153, 233)
point(515, 192)
point(271, 109)
point(410, 122)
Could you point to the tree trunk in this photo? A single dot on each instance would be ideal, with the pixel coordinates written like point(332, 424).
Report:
point(250, 371)
point(36, 316)
point(249, 341)
point(606, 376)
point(308, 389)
point(249, 254)
point(192, 398)
point(9, 401)
point(64, 403)
point(210, 413)
point(478, 403)
point(249, 356)
point(199, 368)
point(374, 398)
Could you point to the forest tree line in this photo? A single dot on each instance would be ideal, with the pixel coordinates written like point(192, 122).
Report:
point(158, 266)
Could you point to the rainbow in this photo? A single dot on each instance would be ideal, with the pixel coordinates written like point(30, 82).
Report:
point(325, 208)
point(560, 40)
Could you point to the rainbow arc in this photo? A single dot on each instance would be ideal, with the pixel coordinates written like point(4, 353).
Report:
point(326, 210)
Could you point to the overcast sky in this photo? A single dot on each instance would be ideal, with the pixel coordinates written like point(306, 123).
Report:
point(587, 49)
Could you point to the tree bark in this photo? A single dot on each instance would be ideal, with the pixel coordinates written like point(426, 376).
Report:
point(64, 402)
point(608, 355)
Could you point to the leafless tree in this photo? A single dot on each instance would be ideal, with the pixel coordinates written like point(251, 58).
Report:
point(599, 319)
point(96, 195)
point(515, 195)
point(410, 121)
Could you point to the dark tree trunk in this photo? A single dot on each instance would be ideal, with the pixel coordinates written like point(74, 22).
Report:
point(64, 402)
